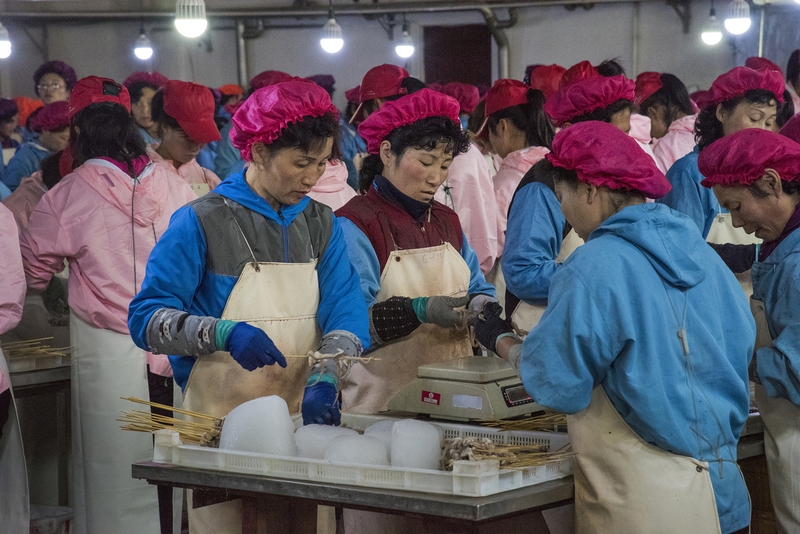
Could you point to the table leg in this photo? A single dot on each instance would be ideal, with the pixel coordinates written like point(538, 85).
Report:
point(63, 430)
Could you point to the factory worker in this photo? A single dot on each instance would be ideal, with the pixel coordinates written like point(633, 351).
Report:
point(142, 86)
point(280, 263)
point(14, 494)
point(545, 78)
point(664, 98)
point(52, 125)
point(654, 386)
point(380, 84)
point(467, 96)
point(332, 189)
point(232, 95)
point(9, 122)
point(739, 99)
point(755, 174)
point(27, 108)
point(415, 264)
point(104, 218)
point(54, 81)
point(351, 145)
point(787, 109)
point(184, 112)
point(27, 196)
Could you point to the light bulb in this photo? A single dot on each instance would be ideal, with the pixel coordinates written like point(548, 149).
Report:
point(405, 46)
point(737, 18)
point(712, 32)
point(331, 40)
point(190, 18)
point(143, 49)
point(5, 43)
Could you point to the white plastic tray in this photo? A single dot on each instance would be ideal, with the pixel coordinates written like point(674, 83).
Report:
point(473, 479)
point(32, 363)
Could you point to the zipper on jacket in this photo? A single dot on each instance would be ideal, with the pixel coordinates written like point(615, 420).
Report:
point(285, 236)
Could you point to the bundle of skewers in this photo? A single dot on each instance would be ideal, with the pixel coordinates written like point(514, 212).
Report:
point(509, 456)
point(202, 429)
point(548, 422)
point(32, 348)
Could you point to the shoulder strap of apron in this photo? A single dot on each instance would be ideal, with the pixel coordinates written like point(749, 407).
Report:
point(246, 242)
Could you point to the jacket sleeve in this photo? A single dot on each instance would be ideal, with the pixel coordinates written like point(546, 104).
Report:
point(689, 197)
point(23, 164)
point(477, 282)
point(12, 289)
point(227, 156)
point(363, 258)
point(47, 241)
point(568, 354)
point(779, 366)
point(533, 241)
point(211, 179)
point(342, 305)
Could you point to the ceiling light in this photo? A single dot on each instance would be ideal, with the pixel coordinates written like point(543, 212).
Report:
point(405, 46)
point(737, 18)
point(190, 17)
point(712, 31)
point(143, 49)
point(5, 43)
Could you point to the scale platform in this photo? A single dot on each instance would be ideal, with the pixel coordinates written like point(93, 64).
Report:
point(473, 387)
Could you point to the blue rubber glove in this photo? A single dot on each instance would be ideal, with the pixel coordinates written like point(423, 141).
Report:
point(250, 346)
point(321, 405)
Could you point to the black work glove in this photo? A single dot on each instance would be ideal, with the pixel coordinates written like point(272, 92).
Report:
point(54, 297)
point(488, 326)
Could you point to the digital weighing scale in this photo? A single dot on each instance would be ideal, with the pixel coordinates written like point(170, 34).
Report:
point(474, 387)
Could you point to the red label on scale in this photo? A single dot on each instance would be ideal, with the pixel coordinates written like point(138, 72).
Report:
point(431, 398)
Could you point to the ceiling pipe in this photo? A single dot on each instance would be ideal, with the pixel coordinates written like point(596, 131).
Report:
point(496, 27)
point(241, 53)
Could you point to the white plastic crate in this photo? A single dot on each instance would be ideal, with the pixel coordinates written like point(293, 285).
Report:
point(32, 363)
point(50, 519)
point(473, 479)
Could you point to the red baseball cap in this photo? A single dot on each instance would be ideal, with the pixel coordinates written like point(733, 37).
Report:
point(546, 78)
point(192, 106)
point(505, 93)
point(353, 95)
point(647, 83)
point(96, 90)
point(577, 72)
point(380, 82)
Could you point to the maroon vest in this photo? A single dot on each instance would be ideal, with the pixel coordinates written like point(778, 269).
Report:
point(389, 227)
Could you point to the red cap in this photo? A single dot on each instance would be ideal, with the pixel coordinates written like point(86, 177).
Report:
point(270, 109)
point(96, 90)
point(792, 128)
point(466, 94)
point(382, 81)
point(192, 106)
point(505, 93)
point(737, 81)
point(53, 117)
point(269, 77)
point(758, 63)
point(326, 81)
point(403, 111)
point(26, 107)
point(353, 95)
point(579, 71)
point(155, 78)
point(231, 89)
point(587, 95)
point(546, 78)
point(647, 83)
point(742, 158)
point(603, 155)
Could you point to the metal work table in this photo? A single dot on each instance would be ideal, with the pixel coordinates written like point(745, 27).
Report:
point(53, 381)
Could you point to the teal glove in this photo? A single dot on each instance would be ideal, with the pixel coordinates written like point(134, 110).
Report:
point(440, 310)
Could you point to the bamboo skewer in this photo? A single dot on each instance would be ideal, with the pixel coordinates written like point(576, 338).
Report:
point(547, 422)
point(206, 431)
point(33, 347)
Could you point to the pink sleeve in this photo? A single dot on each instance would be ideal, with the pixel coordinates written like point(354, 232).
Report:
point(211, 179)
point(12, 288)
point(474, 201)
point(671, 148)
point(45, 242)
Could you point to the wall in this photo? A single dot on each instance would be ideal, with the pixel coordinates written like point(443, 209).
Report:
point(543, 35)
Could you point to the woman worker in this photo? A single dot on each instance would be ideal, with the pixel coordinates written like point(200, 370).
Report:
point(104, 219)
point(280, 264)
point(54, 81)
point(755, 174)
point(143, 86)
point(655, 386)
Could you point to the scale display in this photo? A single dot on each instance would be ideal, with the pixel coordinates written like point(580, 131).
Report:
point(516, 395)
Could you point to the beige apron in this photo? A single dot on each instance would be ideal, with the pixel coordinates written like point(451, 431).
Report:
point(106, 366)
point(624, 484)
point(14, 499)
point(281, 299)
point(200, 189)
point(413, 273)
point(722, 232)
point(525, 315)
point(781, 420)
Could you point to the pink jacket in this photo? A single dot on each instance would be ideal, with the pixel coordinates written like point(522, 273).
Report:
point(678, 142)
point(25, 198)
point(640, 130)
point(470, 193)
point(795, 98)
point(331, 189)
point(192, 172)
point(512, 169)
point(12, 287)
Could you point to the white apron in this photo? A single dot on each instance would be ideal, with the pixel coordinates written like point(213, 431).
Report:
point(721, 232)
point(624, 484)
point(412, 273)
point(106, 498)
point(496, 278)
point(525, 315)
point(781, 420)
point(15, 514)
point(200, 189)
point(281, 299)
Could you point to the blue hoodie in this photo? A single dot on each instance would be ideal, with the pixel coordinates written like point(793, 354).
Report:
point(25, 162)
point(614, 311)
point(177, 276)
point(688, 196)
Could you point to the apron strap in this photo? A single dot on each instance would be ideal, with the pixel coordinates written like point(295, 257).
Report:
point(246, 242)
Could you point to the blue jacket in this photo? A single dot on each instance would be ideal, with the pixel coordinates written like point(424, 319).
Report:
point(688, 196)
point(776, 282)
point(227, 160)
point(207, 156)
point(25, 162)
point(533, 240)
point(351, 144)
point(613, 314)
point(177, 276)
